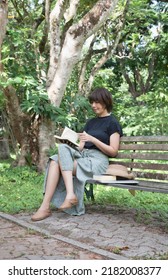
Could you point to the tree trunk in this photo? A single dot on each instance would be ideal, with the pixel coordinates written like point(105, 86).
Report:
point(20, 123)
point(4, 148)
point(4, 145)
point(66, 53)
point(4, 138)
point(46, 141)
point(34, 135)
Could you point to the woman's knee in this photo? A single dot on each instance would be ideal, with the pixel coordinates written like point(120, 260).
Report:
point(54, 164)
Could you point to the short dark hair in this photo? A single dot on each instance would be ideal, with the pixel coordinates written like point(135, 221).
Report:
point(103, 96)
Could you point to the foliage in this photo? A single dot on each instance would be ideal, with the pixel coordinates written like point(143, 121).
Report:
point(78, 111)
point(141, 200)
point(20, 188)
point(145, 115)
point(39, 105)
point(144, 35)
point(144, 43)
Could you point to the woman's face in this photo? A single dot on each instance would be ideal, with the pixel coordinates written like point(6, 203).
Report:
point(99, 109)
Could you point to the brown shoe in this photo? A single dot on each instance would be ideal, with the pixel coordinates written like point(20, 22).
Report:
point(41, 215)
point(68, 203)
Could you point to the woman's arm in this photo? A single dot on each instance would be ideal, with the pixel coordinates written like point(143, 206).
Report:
point(110, 150)
point(81, 145)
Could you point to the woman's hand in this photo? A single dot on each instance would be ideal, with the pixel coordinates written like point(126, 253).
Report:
point(85, 137)
point(110, 150)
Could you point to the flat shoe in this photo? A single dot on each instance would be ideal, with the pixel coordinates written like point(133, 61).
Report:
point(41, 215)
point(68, 203)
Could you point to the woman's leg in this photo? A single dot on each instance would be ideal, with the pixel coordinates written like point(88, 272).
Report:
point(51, 184)
point(67, 163)
point(71, 198)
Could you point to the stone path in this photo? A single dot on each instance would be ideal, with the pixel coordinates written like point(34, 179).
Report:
point(106, 233)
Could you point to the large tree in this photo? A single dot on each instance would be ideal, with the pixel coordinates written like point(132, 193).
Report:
point(69, 27)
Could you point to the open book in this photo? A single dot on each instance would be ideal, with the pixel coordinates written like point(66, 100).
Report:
point(69, 137)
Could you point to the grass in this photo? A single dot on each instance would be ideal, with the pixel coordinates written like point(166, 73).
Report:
point(20, 188)
point(142, 200)
point(21, 191)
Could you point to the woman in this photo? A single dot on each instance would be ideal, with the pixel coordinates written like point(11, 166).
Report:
point(68, 171)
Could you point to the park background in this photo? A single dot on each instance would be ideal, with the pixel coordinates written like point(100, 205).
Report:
point(52, 54)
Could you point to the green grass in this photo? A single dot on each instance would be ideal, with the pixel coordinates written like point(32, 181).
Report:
point(20, 188)
point(21, 191)
point(142, 200)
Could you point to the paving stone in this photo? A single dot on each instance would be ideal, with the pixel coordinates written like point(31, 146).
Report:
point(94, 235)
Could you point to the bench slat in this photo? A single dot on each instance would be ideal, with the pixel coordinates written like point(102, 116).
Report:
point(144, 138)
point(144, 147)
point(144, 156)
point(152, 184)
point(142, 165)
point(142, 186)
point(154, 176)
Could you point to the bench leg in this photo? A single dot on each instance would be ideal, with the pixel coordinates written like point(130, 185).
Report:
point(89, 192)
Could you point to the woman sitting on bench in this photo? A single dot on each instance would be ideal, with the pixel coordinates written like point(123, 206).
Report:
point(67, 172)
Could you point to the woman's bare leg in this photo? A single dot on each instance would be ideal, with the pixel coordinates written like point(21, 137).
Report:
point(71, 198)
point(68, 181)
point(51, 184)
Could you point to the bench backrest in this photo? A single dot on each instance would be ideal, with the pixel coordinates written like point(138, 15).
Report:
point(146, 156)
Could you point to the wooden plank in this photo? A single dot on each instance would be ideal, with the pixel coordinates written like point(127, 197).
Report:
point(144, 156)
point(142, 186)
point(145, 183)
point(144, 138)
point(151, 184)
point(147, 175)
point(145, 147)
point(142, 165)
point(151, 166)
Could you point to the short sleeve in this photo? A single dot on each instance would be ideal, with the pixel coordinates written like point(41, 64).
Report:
point(114, 127)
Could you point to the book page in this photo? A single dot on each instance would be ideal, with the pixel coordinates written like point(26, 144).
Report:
point(69, 137)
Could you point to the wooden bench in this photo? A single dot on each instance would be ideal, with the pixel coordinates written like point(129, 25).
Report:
point(147, 158)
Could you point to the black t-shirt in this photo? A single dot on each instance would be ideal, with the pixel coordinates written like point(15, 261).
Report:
point(102, 128)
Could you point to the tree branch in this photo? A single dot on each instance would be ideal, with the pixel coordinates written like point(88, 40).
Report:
point(55, 38)
point(110, 50)
point(46, 27)
point(92, 21)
